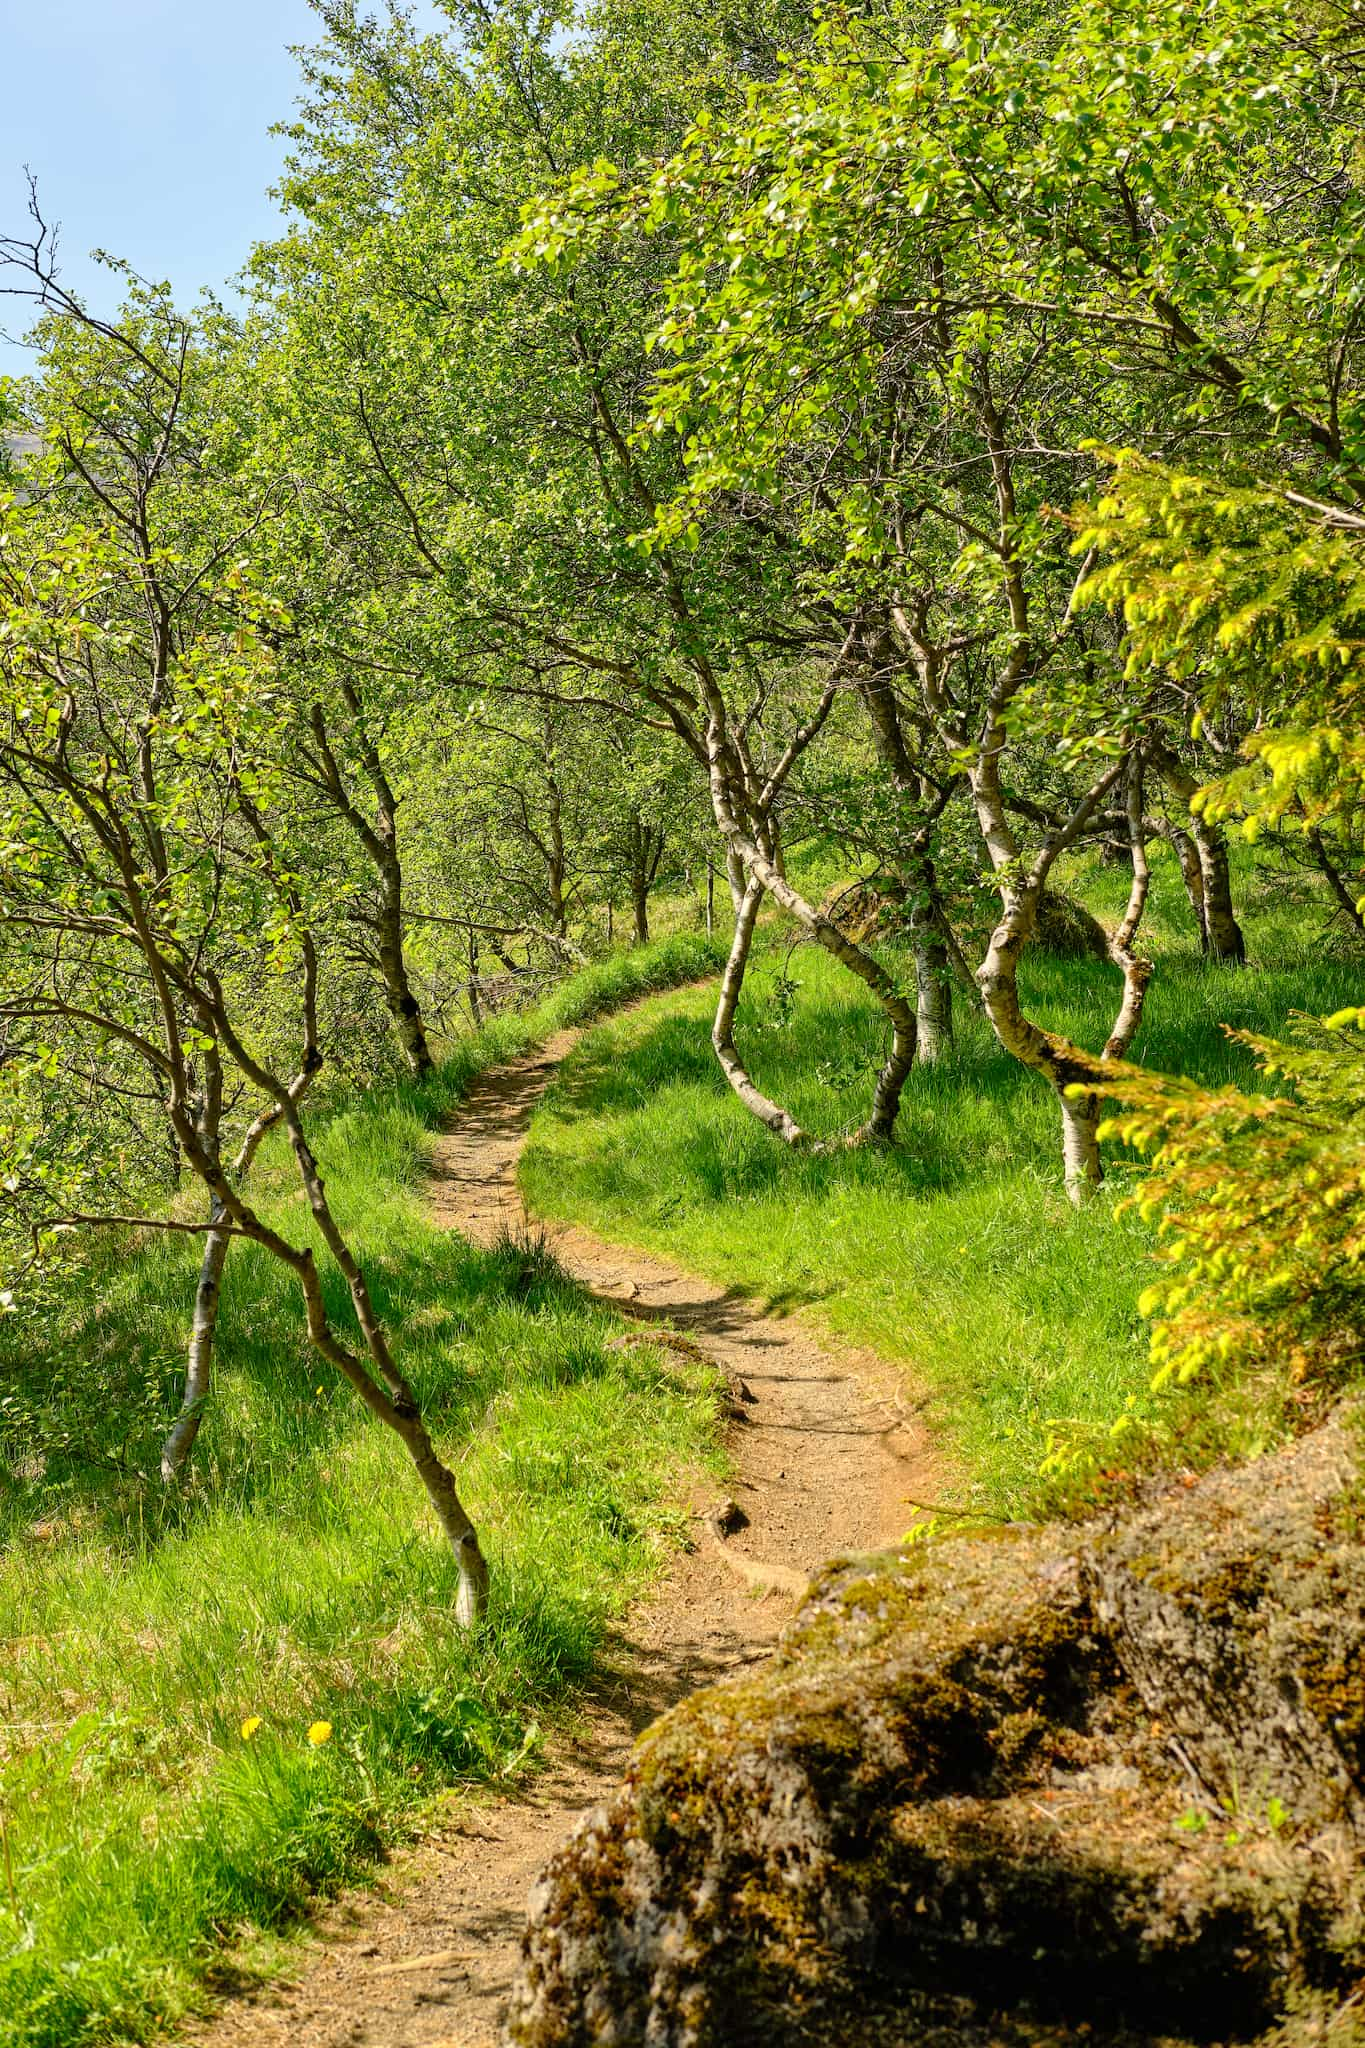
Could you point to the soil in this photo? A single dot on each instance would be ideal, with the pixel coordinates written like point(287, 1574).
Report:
point(829, 1458)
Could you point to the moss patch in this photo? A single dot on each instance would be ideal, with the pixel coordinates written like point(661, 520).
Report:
point(954, 1792)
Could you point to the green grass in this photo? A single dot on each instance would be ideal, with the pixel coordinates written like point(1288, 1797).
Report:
point(957, 1253)
point(301, 1577)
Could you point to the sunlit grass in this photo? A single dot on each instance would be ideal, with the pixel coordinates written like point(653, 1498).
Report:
point(956, 1254)
point(300, 1580)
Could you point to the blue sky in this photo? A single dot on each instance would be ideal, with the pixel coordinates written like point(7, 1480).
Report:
point(146, 124)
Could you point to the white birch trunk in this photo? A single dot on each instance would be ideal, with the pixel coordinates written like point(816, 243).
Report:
point(777, 1119)
point(1081, 1165)
point(199, 1364)
point(934, 1004)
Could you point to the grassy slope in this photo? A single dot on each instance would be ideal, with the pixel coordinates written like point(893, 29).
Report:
point(957, 1253)
point(302, 1578)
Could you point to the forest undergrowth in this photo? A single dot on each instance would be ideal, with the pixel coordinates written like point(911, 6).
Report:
point(217, 1704)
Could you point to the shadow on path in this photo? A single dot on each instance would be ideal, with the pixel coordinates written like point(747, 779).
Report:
point(830, 1458)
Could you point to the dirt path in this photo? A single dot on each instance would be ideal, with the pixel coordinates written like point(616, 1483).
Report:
point(824, 1463)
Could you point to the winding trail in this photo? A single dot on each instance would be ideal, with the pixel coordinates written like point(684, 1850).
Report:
point(826, 1460)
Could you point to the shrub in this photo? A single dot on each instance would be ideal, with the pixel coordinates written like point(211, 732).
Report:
point(1261, 1200)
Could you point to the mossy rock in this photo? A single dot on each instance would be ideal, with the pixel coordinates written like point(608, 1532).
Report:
point(1239, 1615)
point(1065, 927)
point(972, 1800)
point(867, 910)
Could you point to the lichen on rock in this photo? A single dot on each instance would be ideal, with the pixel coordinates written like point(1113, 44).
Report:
point(1241, 1617)
point(1098, 1783)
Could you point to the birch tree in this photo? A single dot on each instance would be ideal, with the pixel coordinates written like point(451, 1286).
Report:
point(501, 405)
point(142, 872)
point(911, 287)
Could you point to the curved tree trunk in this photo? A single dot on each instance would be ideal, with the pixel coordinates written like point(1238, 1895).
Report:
point(1226, 942)
point(1192, 875)
point(777, 1119)
point(208, 1115)
point(380, 844)
point(1065, 1067)
point(723, 1031)
point(471, 1596)
point(934, 1004)
point(198, 1371)
point(1081, 1112)
point(1068, 1068)
point(744, 854)
point(1328, 868)
point(393, 1399)
point(880, 1126)
point(933, 968)
point(403, 1006)
point(381, 1385)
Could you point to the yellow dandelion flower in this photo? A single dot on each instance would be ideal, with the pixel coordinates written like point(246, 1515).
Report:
point(249, 1726)
point(320, 1732)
